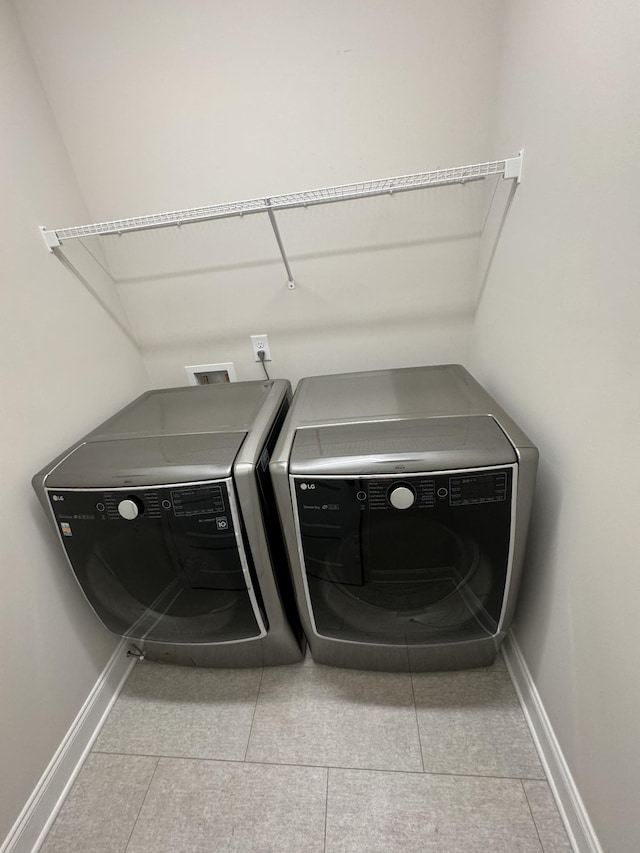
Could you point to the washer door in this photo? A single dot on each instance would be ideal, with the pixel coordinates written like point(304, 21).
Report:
point(418, 560)
point(165, 564)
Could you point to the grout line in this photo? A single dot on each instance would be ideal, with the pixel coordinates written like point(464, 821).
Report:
point(326, 813)
point(144, 800)
point(255, 708)
point(467, 673)
point(532, 815)
point(415, 709)
point(335, 767)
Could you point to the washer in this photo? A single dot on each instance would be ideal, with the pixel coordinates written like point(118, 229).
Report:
point(405, 498)
point(167, 517)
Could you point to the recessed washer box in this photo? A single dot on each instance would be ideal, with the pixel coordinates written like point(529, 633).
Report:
point(211, 374)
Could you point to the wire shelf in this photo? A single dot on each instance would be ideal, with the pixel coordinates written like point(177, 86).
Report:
point(508, 168)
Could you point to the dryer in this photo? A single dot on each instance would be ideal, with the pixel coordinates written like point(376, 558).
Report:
point(405, 498)
point(167, 517)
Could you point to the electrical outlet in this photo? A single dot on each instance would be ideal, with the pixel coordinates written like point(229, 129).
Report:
point(260, 343)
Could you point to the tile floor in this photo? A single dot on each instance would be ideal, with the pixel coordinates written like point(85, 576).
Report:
point(314, 759)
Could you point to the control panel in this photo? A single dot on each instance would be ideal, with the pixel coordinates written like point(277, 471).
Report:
point(488, 487)
point(187, 503)
point(404, 493)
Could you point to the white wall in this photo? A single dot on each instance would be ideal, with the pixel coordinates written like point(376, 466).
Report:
point(556, 337)
point(64, 366)
point(172, 105)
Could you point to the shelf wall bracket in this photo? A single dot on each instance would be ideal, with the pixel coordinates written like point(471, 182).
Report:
point(50, 239)
point(276, 231)
point(513, 167)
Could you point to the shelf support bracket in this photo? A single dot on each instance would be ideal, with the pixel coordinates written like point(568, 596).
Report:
point(50, 239)
point(513, 167)
point(276, 231)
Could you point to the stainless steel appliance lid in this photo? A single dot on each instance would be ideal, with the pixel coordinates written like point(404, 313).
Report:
point(155, 460)
point(439, 390)
point(395, 446)
point(183, 411)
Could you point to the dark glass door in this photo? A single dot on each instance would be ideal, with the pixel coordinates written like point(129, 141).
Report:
point(414, 560)
point(160, 564)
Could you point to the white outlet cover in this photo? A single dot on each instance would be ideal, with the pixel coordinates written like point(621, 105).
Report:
point(260, 343)
point(194, 371)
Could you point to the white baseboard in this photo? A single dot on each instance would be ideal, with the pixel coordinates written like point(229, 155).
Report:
point(35, 820)
point(576, 820)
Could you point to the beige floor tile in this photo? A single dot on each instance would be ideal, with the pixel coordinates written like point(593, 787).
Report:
point(336, 717)
point(100, 811)
point(184, 712)
point(210, 806)
point(373, 812)
point(473, 724)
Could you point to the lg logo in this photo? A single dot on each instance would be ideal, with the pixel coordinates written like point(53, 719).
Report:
point(307, 485)
point(58, 497)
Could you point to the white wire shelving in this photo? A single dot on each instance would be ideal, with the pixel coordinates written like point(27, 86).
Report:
point(509, 168)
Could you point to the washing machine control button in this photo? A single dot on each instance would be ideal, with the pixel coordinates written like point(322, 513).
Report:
point(401, 497)
point(129, 509)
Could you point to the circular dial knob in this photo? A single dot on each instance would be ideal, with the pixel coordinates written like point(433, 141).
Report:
point(401, 497)
point(129, 509)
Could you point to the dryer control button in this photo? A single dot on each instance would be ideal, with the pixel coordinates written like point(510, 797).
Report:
point(128, 509)
point(401, 497)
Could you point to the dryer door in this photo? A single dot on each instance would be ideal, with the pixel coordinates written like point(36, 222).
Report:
point(166, 564)
point(414, 560)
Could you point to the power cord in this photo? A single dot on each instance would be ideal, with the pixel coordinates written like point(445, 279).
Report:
point(261, 354)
